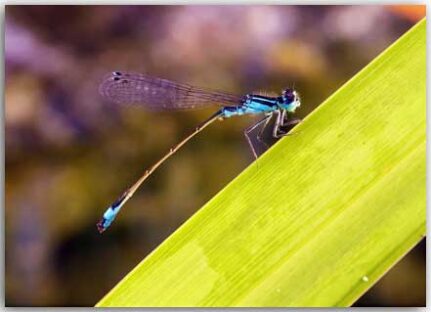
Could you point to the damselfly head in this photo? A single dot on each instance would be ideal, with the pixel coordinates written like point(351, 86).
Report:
point(291, 100)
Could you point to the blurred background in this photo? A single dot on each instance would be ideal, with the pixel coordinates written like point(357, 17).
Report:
point(69, 153)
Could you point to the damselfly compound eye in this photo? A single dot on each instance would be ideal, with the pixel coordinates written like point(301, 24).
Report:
point(288, 95)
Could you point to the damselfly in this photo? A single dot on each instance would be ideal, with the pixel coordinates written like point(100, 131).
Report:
point(161, 94)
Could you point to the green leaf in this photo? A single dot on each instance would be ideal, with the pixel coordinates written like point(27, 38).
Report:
point(321, 216)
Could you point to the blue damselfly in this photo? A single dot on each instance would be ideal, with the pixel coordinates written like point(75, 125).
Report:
point(161, 94)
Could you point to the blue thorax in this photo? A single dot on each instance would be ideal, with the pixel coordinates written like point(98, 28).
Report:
point(259, 104)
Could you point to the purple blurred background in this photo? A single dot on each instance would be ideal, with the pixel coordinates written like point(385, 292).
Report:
point(69, 154)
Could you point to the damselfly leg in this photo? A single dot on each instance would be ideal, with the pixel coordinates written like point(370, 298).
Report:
point(263, 140)
point(262, 131)
point(249, 138)
point(282, 121)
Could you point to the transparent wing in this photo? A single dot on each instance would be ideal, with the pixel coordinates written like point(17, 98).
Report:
point(160, 94)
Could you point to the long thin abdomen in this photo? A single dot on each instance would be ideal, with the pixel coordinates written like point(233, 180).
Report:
point(114, 209)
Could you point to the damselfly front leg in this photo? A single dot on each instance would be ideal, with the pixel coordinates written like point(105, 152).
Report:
point(286, 121)
point(283, 121)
